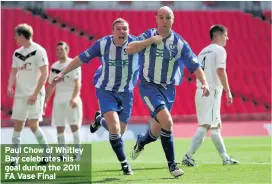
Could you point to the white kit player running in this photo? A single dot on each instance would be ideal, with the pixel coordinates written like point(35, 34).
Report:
point(29, 71)
point(67, 105)
point(213, 58)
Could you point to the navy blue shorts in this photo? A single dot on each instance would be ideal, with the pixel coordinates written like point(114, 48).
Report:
point(157, 97)
point(120, 102)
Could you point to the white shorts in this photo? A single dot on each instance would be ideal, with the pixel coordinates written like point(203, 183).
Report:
point(23, 111)
point(208, 108)
point(64, 114)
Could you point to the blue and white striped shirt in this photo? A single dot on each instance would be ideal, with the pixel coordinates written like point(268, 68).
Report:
point(119, 71)
point(164, 63)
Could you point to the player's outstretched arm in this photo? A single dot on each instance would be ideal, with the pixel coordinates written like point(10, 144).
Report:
point(137, 46)
point(75, 63)
point(200, 75)
point(223, 77)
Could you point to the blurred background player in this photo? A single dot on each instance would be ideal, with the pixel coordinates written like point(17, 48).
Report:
point(29, 71)
point(213, 58)
point(163, 51)
point(114, 83)
point(67, 107)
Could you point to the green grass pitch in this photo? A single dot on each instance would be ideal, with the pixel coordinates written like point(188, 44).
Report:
point(254, 154)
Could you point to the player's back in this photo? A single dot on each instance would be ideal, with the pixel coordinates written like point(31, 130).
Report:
point(212, 57)
point(64, 89)
point(27, 61)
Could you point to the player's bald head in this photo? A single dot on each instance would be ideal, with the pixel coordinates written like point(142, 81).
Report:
point(165, 10)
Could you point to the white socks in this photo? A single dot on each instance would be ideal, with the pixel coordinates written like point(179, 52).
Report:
point(77, 138)
point(41, 140)
point(61, 143)
point(196, 141)
point(16, 142)
point(219, 143)
point(217, 140)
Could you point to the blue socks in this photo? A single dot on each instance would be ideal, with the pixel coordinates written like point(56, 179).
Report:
point(168, 145)
point(147, 138)
point(117, 145)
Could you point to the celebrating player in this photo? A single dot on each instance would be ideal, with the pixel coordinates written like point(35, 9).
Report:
point(114, 82)
point(162, 52)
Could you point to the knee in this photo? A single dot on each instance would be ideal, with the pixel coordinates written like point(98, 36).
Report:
point(112, 120)
point(74, 128)
point(60, 130)
point(114, 127)
point(18, 129)
point(167, 124)
point(18, 126)
point(33, 126)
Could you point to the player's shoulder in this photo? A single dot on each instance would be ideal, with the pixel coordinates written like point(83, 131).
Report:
point(105, 38)
point(38, 47)
point(218, 49)
point(131, 38)
point(55, 64)
point(18, 50)
point(179, 37)
point(150, 32)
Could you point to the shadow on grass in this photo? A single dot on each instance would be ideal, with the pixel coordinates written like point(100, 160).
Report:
point(106, 180)
point(133, 169)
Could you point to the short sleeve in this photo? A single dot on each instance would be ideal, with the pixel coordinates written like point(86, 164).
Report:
point(14, 61)
point(42, 57)
point(77, 73)
point(188, 58)
point(90, 53)
point(221, 57)
point(144, 36)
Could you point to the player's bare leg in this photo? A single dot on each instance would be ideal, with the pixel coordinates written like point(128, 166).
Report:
point(16, 139)
point(197, 140)
point(218, 141)
point(76, 134)
point(116, 140)
point(37, 131)
point(100, 121)
point(123, 127)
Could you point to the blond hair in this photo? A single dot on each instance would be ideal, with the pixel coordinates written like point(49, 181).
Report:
point(118, 20)
point(25, 30)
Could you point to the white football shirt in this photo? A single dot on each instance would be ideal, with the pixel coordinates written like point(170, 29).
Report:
point(28, 62)
point(212, 57)
point(65, 88)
